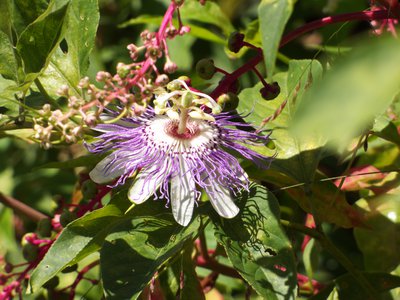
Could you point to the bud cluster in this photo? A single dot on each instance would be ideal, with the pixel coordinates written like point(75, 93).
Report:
point(131, 88)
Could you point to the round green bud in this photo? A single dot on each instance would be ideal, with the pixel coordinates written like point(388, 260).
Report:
point(235, 41)
point(271, 91)
point(30, 252)
point(123, 70)
point(25, 238)
point(205, 68)
point(67, 217)
point(89, 189)
point(70, 269)
point(52, 283)
point(44, 227)
point(229, 101)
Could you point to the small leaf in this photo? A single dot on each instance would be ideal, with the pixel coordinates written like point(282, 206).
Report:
point(209, 13)
point(40, 38)
point(8, 64)
point(273, 16)
point(257, 245)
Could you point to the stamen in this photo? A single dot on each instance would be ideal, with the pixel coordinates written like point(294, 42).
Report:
point(183, 121)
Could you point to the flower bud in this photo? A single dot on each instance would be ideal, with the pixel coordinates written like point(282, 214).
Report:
point(271, 91)
point(228, 102)
point(44, 227)
point(30, 252)
point(170, 67)
point(89, 189)
point(205, 68)
point(123, 70)
point(183, 30)
point(84, 83)
point(235, 42)
point(67, 217)
point(162, 79)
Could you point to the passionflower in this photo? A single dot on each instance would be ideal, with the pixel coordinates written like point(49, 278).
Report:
point(176, 164)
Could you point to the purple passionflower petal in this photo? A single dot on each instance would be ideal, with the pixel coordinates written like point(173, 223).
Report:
point(177, 165)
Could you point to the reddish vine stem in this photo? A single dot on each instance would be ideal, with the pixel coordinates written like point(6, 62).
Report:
point(229, 79)
point(217, 267)
point(80, 276)
point(356, 16)
point(22, 208)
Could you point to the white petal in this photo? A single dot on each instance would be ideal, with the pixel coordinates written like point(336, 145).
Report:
point(144, 186)
point(221, 200)
point(102, 172)
point(183, 195)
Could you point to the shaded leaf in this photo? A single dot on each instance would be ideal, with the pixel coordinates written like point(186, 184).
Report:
point(8, 64)
point(40, 38)
point(143, 244)
point(257, 245)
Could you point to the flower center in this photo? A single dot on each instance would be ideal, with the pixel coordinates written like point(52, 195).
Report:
point(191, 131)
point(199, 136)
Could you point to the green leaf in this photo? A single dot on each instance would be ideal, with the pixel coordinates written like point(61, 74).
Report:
point(353, 93)
point(209, 13)
point(67, 68)
point(143, 243)
point(273, 16)
point(22, 13)
point(8, 64)
point(257, 245)
point(40, 39)
point(196, 31)
point(298, 158)
point(79, 239)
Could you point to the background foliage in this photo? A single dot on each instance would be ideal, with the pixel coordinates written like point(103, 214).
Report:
point(336, 143)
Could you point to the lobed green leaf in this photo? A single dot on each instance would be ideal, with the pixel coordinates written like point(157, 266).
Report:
point(257, 245)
